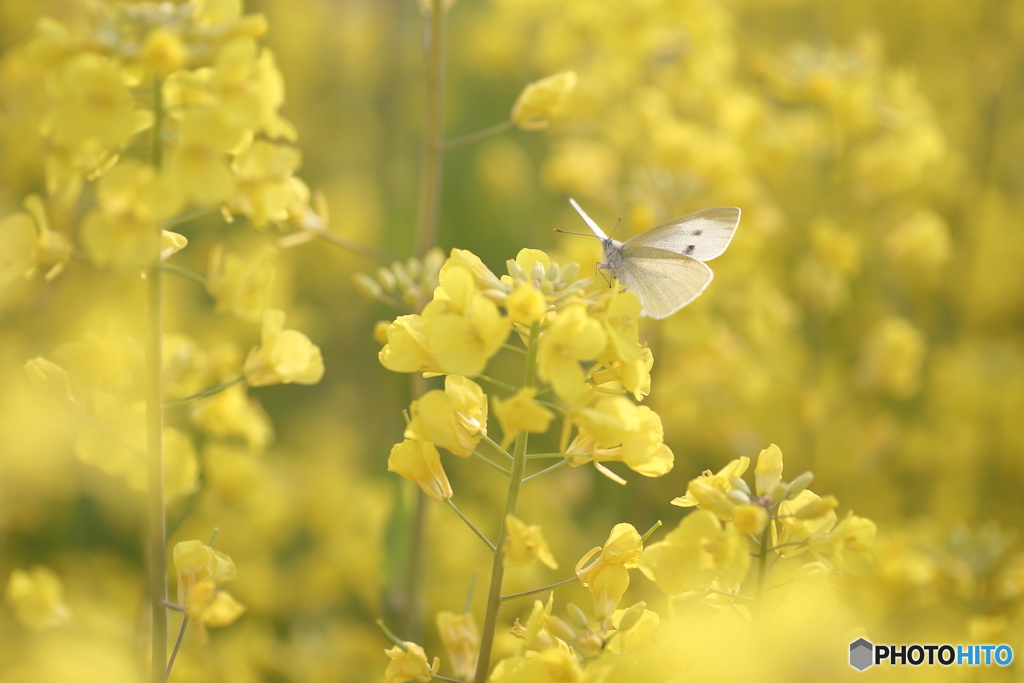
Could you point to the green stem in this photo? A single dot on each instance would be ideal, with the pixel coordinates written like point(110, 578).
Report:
point(496, 446)
point(497, 382)
point(538, 590)
point(464, 518)
point(157, 524)
point(189, 215)
point(354, 247)
point(433, 132)
point(479, 135)
point(557, 465)
point(478, 454)
point(210, 391)
point(392, 638)
point(762, 557)
point(515, 484)
point(187, 273)
point(537, 456)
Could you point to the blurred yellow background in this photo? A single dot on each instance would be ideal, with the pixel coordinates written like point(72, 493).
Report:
point(867, 317)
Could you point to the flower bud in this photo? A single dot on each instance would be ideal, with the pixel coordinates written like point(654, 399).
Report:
point(560, 628)
point(739, 483)
point(577, 617)
point(387, 279)
point(738, 497)
point(798, 485)
point(366, 285)
point(632, 616)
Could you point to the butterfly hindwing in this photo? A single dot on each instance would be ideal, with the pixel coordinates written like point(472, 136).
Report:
point(702, 235)
point(665, 281)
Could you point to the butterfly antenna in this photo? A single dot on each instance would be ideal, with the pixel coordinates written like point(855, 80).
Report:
point(569, 232)
point(616, 226)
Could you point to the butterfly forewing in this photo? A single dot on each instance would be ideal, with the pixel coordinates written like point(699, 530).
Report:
point(702, 235)
point(664, 281)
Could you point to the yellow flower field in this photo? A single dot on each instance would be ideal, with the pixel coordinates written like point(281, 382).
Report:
point(304, 380)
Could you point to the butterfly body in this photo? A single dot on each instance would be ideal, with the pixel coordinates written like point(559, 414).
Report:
point(665, 265)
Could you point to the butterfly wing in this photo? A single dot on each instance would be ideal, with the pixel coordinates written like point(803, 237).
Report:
point(589, 221)
point(664, 281)
point(702, 235)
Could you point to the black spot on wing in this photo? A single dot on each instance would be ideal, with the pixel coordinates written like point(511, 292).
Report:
point(690, 248)
point(697, 233)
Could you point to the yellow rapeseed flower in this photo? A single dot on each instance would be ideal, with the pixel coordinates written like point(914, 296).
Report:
point(555, 665)
point(526, 304)
point(696, 554)
point(521, 413)
point(201, 571)
point(607, 577)
point(406, 347)
point(768, 472)
point(790, 531)
point(93, 104)
point(409, 664)
point(626, 432)
point(543, 99)
point(283, 357)
point(710, 491)
point(232, 414)
point(464, 328)
point(525, 543)
point(199, 162)
point(461, 639)
point(37, 598)
point(239, 284)
point(454, 419)
point(571, 338)
point(419, 462)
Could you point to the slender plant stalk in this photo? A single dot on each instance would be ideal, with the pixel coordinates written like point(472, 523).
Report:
point(515, 484)
point(157, 525)
point(479, 135)
point(209, 391)
point(433, 134)
point(426, 238)
point(762, 557)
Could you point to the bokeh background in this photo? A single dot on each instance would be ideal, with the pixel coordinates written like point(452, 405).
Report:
point(868, 317)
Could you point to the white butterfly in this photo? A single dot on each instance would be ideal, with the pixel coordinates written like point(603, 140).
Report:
point(664, 265)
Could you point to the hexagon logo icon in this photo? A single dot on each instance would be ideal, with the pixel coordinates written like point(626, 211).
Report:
point(861, 652)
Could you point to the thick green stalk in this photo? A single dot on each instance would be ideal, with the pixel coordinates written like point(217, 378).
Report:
point(157, 525)
point(515, 484)
point(433, 134)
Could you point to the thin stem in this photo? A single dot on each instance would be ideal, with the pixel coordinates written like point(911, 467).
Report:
point(173, 606)
point(449, 503)
point(561, 463)
point(433, 134)
point(113, 435)
point(209, 391)
point(187, 216)
point(468, 603)
point(157, 523)
point(731, 595)
point(479, 135)
point(350, 245)
point(514, 348)
point(549, 404)
point(445, 678)
point(177, 646)
point(490, 462)
point(392, 638)
point(761, 558)
point(537, 456)
point(497, 382)
point(539, 590)
point(515, 485)
point(496, 446)
point(187, 273)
